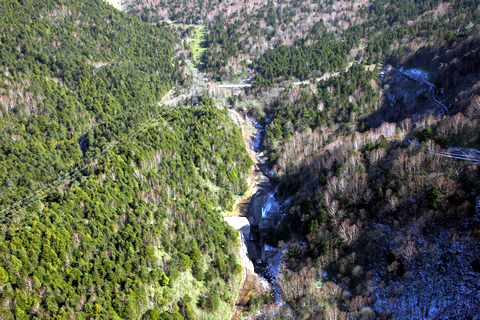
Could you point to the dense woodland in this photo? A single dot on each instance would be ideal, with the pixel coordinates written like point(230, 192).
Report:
point(331, 106)
point(245, 29)
point(133, 227)
point(386, 36)
point(370, 208)
point(66, 70)
point(376, 212)
point(305, 36)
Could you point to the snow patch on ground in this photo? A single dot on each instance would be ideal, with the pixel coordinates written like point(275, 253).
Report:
point(263, 179)
point(270, 248)
point(438, 284)
point(418, 73)
point(469, 151)
point(286, 202)
point(257, 141)
point(253, 123)
point(477, 207)
point(257, 135)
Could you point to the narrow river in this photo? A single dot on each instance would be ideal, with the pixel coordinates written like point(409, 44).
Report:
point(263, 213)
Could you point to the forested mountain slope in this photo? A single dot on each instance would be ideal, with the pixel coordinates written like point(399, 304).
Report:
point(244, 29)
point(367, 112)
point(376, 220)
point(68, 67)
point(364, 30)
point(132, 228)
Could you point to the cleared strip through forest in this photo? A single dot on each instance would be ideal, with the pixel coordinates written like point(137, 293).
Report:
point(70, 176)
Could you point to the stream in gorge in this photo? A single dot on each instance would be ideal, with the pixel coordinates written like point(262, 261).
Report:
point(265, 210)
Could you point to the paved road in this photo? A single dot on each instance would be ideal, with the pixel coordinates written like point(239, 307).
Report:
point(326, 76)
point(234, 86)
point(431, 95)
point(466, 154)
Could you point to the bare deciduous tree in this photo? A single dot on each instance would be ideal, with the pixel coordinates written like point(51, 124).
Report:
point(376, 155)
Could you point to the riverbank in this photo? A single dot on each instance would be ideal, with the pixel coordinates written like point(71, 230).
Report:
point(256, 213)
point(241, 207)
point(251, 285)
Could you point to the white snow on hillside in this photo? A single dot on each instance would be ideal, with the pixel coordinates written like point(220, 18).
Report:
point(418, 73)
point(439, 283)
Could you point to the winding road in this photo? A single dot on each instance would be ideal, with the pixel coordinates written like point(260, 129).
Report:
point(458, 153)
point(431, 93)
point(234, 86)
